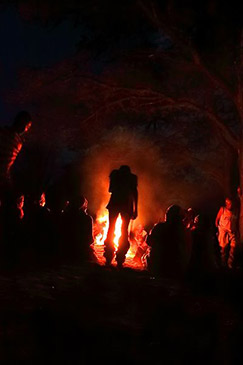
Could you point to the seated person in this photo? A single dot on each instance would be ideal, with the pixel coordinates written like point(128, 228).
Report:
point(203, 258)
point(13, 238)
point(168, 245)
point(78, 236)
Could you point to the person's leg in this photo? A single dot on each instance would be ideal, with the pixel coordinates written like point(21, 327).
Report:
point(109, 245)
point(124, 243)
point(232, 239)
point(223, 242)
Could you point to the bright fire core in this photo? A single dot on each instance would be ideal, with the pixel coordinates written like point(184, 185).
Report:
point(101, 229)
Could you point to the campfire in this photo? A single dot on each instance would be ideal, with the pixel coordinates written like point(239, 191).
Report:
point(100, 233)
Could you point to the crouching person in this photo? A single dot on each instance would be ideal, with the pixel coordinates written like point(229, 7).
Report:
point(226, 222)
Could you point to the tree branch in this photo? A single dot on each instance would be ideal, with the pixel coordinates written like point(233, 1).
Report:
point(137, 100)
point(185, 44)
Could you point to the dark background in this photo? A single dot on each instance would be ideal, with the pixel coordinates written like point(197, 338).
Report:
point(109, 83)
point(97, 77)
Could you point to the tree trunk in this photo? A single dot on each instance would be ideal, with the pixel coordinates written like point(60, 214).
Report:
point(239, 101)
point(241, 190)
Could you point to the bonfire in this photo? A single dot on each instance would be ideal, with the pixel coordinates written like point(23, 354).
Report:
point(100, 233)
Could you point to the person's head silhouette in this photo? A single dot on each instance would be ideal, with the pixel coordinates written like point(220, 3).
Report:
point(125, 170)
point(173, 214)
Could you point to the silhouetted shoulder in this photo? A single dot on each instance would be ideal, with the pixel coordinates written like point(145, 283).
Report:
point(156, 233)
point(114, 177)
point(113, 174)
point(10, 146)
point(158, 228)
point(134, 181)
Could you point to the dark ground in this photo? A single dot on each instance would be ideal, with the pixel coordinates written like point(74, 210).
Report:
point(92, 314)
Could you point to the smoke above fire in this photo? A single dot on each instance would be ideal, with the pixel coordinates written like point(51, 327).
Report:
point(119, 147)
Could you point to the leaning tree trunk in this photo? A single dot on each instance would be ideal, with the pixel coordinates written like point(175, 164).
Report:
point(240, 162)
point(239, 102)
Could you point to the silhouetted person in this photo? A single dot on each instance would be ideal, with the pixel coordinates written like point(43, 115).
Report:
point(226, 222)
point(190, 223)
point(238, 200)
point(40, 231)
point(237, 205)
point(13, 230)
point(123, 201)
point(203, 258)
point(56, 203)
point(168, 245)
point(11, 142)
point(78, 236)
point(189, 220)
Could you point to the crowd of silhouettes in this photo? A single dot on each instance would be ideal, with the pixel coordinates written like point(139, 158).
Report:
point(36, 235)
point(189, 243)
point(43, 229)
point(49, 229)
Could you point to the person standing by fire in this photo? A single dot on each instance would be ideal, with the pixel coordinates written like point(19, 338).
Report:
point(123, 201)
point(11, 142)
point(226, 222)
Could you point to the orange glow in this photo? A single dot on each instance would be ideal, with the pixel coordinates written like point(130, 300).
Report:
point(28, 126)
point(103, 225)
point(117, 233)
point(100, 234)
point(101, 229)
point(42, 200)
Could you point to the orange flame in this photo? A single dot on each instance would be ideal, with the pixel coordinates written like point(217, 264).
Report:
point(117, 233)
point(102, 225)
point(100, 233)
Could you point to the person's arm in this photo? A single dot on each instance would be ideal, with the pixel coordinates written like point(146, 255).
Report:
point(110, 186)
point(135, 206)
point(113, 179)
point(218, 216)
point(149, 239)
point(134, 182)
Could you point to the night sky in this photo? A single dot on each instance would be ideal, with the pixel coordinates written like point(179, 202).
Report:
point(25, 44)
point(36, 35)
point(79, 68)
